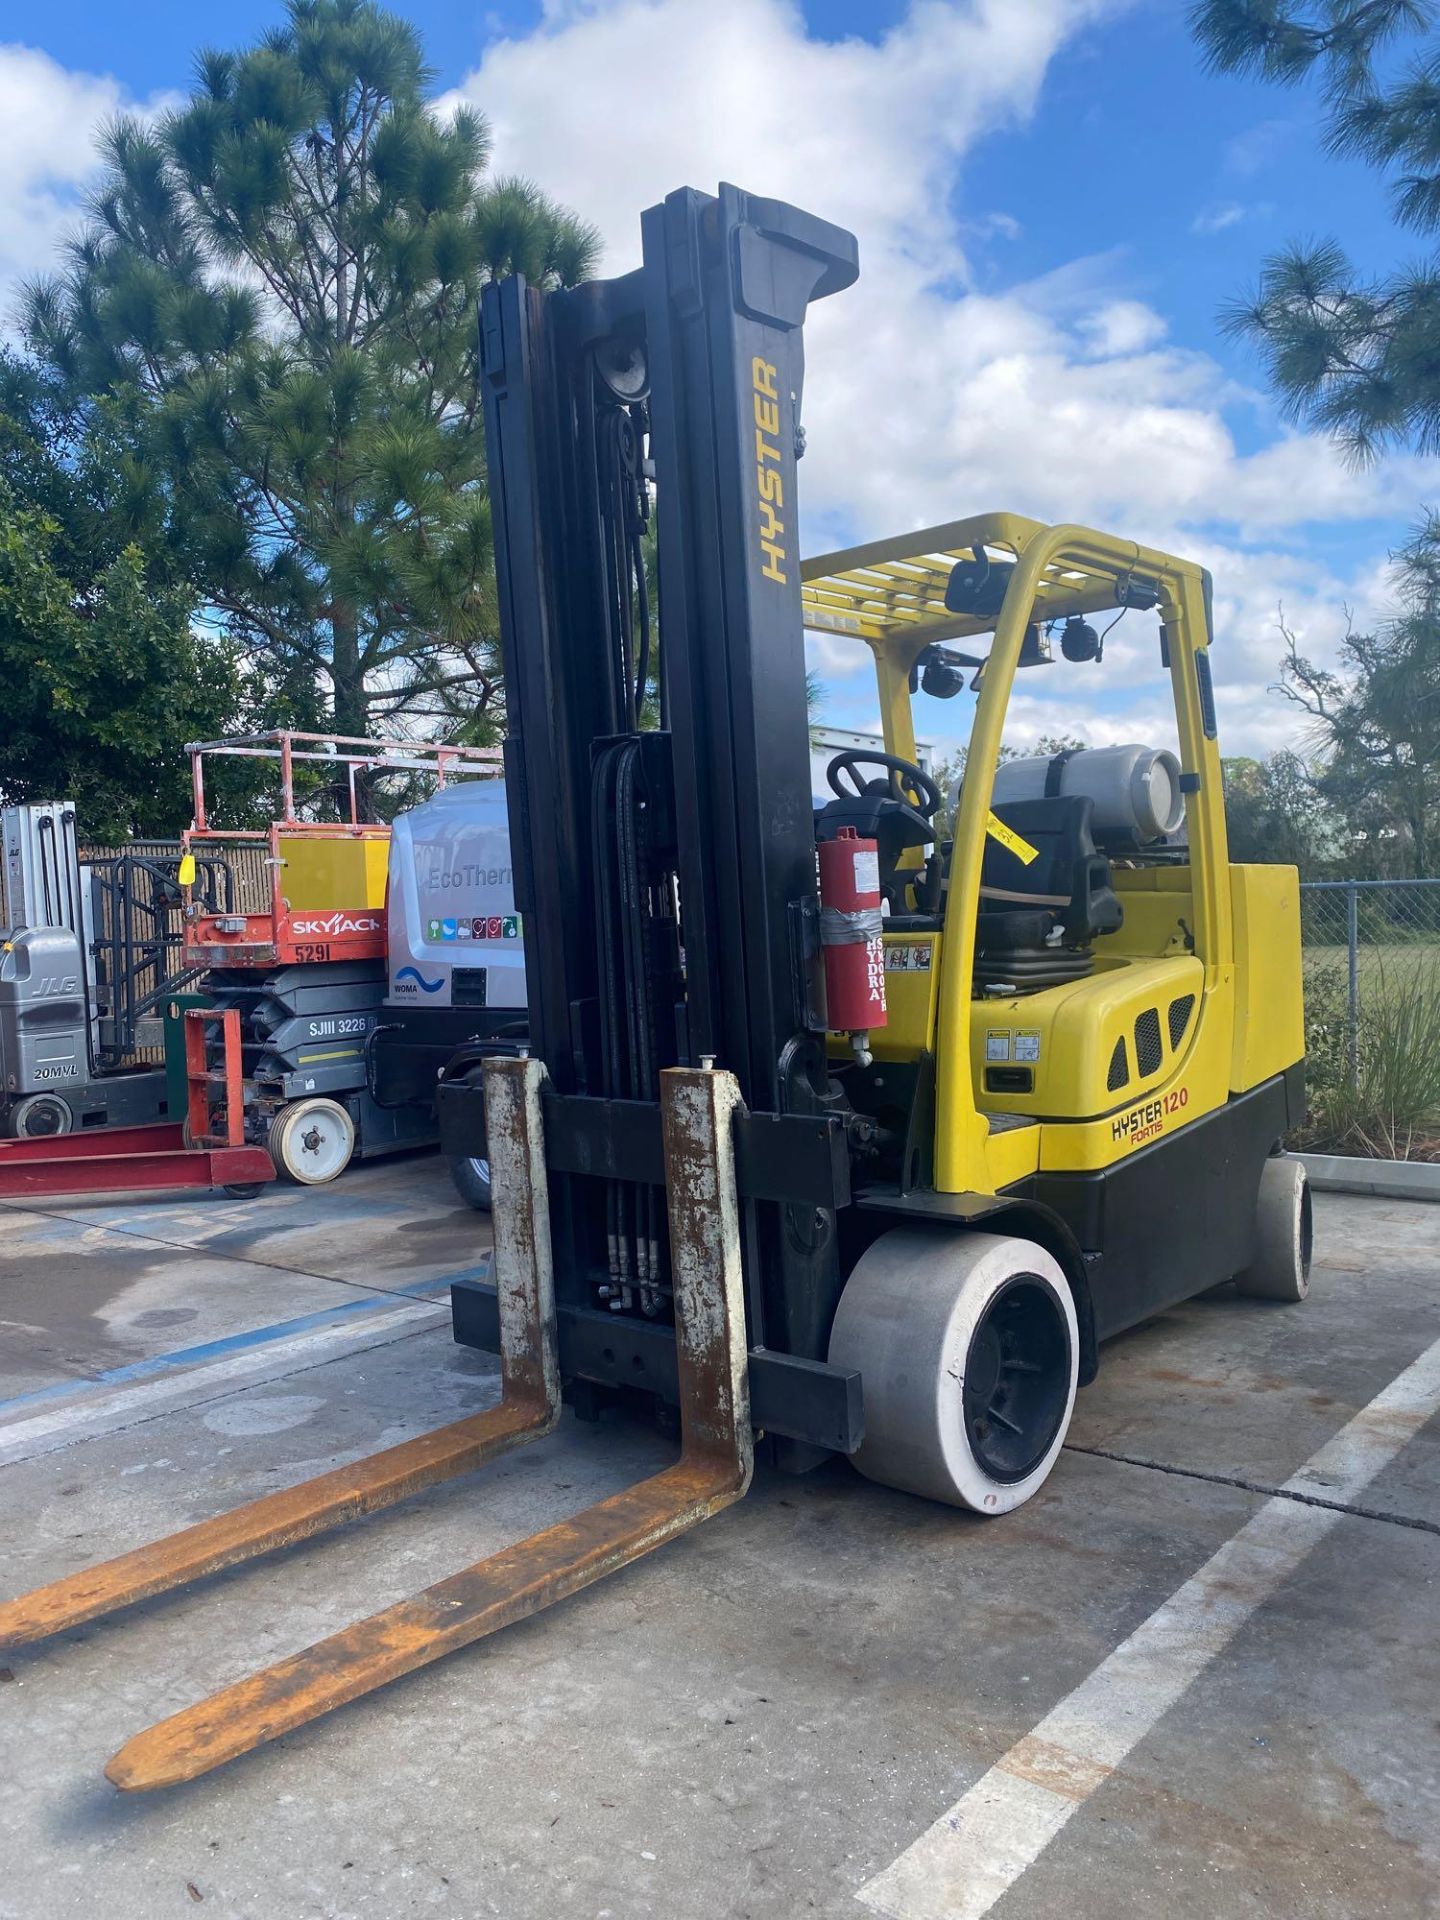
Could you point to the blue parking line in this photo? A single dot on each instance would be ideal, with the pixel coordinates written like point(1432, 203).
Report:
point(237, 1342)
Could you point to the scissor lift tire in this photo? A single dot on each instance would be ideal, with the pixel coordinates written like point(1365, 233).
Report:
point(312, 1141)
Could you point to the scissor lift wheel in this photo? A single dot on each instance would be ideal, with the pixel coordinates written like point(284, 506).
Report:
point(968, 1351)
point(1284, 1234)
point(311, 1141)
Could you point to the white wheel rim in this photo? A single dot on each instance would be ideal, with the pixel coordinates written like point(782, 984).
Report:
point(315, 1145)
point(978, 1487)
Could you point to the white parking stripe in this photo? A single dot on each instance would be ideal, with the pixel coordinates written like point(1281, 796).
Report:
point(972, 1855)
point(127, 1406)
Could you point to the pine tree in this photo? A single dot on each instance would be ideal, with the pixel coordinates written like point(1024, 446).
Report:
point(273, 313)
point(1374, 722)
point(1357, 357)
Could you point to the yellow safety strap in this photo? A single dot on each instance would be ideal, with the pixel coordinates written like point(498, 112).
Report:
point(1010, 840)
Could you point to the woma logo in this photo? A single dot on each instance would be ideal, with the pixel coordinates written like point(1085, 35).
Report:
point(409, 974)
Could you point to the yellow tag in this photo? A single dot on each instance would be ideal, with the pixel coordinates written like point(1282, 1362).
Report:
point(1010, 840)
point(187, 870)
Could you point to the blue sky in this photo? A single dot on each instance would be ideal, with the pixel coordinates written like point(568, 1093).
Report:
point(1052, 202)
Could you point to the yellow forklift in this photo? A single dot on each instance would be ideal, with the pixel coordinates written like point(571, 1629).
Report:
point(851, 1130)
point(1107, 1009)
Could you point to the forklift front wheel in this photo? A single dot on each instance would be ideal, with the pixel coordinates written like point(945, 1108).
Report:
point(1283, 1234)
point(40, 1116)
point(968, 1352)
point(311, 1141)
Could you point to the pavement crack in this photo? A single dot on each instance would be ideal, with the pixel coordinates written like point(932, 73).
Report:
point(1259, 1486)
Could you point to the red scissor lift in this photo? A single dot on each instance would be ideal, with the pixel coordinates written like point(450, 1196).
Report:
point(302, 958)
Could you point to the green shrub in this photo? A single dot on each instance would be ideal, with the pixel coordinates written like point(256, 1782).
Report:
point(1391, 1109)
point(1326, 1032)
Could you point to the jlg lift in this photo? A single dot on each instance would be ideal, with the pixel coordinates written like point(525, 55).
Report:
point(1065, 1040)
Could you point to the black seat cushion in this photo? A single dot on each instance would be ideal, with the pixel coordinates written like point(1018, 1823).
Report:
point(1068, 880)
point(1004, 930)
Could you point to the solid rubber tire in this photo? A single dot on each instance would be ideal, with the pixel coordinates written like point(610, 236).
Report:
point(23, 1107)
point(1280, 1269)
point(287, 1124)
point(472, 1185)
point(905, 1321)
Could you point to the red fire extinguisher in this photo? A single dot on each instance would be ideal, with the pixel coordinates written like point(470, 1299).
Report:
point(850, 929)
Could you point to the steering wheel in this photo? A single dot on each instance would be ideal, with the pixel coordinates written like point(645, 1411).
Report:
point(903, 774)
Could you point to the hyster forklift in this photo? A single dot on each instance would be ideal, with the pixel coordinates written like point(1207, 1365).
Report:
point(852, 1134)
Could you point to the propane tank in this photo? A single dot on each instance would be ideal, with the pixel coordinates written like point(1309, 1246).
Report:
point(850, 929)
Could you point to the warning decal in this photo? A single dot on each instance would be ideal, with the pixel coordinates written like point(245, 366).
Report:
point(907, 956)
point(1010, 840)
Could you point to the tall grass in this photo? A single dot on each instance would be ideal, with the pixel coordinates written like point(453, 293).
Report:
point(1391, 1109)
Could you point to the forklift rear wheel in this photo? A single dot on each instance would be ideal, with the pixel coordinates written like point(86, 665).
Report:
point(472, 1182)
point(40, 1116)
point(1284, 1234)
point(311, 1142)
point(968, 1352)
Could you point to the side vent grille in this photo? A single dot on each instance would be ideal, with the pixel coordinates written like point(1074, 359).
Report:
point(1180, 1011)
point(1148, 1052)
point(1119, 1068)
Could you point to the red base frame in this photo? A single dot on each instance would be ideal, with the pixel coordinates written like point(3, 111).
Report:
point(124, 1160)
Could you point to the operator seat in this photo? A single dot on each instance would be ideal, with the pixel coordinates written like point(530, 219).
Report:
point(1038, 917)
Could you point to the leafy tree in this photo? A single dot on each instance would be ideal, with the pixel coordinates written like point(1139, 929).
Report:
point(1375, 723)
point(1354, 356)
point(102, 674)
point(273, 312)
point(1275, 815)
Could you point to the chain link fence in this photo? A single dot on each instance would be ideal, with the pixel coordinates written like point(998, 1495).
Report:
point(1361, 935)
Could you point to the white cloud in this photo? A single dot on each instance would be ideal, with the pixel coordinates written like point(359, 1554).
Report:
point(992, 226)
point(49, 117)
point(925, 399)
point(1245, 154)
point(1122, 326)
point(1230, 213)
point(1216, 219)
point(869, 135)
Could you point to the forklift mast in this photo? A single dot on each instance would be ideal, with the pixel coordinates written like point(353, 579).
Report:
point(666, 874)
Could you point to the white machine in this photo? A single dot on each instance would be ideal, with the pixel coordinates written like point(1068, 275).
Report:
point(454, 934)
